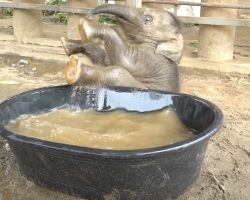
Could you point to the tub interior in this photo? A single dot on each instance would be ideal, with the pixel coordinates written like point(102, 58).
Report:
point(194, 113)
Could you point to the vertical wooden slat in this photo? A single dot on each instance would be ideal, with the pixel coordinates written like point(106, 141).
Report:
point(134, 3)
point(27, 23)
point(216, 43)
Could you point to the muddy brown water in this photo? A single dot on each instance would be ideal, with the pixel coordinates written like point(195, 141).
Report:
point(118, 130)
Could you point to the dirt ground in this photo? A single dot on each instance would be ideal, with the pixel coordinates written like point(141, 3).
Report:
point(226, 169)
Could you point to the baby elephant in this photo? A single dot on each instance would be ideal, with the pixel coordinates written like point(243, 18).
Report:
point(143, 51)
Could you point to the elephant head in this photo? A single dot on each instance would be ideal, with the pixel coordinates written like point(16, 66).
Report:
point(143, 52)
point(157, 28)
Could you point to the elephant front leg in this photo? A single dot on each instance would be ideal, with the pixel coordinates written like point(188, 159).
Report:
point(91, 50)
point(80, 74)
point(72, 46)
point(109, 35)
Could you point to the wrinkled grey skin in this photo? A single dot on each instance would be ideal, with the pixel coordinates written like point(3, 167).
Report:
point(144, 52)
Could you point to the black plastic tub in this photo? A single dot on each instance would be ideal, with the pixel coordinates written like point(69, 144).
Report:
point(147, 174)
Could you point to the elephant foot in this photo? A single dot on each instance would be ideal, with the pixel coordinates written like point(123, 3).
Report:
point(78, 73)
point(72, 70)
point(83, 29)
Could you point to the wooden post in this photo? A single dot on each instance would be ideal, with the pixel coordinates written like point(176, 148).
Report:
point(73, 19)
point(217, 42)
point(27, 23)
point(134, 3)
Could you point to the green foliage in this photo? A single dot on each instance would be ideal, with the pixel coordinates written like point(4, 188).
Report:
point(59, 18)
point(6, 13)
point(56, 2)
point(109, 20)
point(55, 17)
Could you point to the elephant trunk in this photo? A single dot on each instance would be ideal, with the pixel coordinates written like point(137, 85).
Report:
point(122, 12)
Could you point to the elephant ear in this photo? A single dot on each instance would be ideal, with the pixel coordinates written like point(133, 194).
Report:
point(171, 49)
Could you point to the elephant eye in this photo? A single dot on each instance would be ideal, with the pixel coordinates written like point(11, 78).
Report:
point(147, 18)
